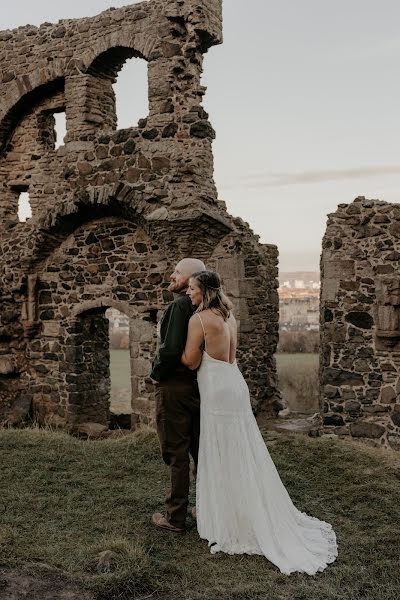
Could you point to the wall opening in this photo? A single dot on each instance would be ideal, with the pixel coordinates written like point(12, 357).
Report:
point(297, 357)
point(60, 128)
point(120, 370)
point(25, 105)
point(24, 207)
point(52, 128)
point(117, 89)
point(131, 93)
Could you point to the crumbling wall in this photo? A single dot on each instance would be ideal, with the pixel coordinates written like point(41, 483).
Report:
point(113, 210)
point(360, 322)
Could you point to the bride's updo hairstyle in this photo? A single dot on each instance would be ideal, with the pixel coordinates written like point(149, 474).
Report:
point(209, 283)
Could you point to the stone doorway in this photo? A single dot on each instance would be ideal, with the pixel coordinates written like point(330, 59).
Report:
point(93, 395)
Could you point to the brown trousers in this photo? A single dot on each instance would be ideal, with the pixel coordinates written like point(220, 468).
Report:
point(178, 428)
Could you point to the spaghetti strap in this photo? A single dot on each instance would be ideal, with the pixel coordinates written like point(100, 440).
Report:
point(204, 332)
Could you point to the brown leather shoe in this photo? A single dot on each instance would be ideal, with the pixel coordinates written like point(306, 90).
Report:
point(161, 522)
point(193, 511)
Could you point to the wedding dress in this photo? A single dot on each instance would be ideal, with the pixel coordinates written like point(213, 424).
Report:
point(242, 505)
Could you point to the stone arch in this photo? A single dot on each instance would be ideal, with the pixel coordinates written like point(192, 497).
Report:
point(99, 75)
point(31, 86)
point(142, 45)
point(106, 302)
point(106, 260)
point(54, 227)
point(29, 82)
point(87, 371)
point(32, 94)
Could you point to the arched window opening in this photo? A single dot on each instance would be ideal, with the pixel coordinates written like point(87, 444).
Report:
point(51, 92)
point(24, 207)
point(131, 93)
point(52, 128)
point(117, 89)
point(120, 369)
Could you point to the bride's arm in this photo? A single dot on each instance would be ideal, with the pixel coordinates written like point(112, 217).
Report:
point(192, 353)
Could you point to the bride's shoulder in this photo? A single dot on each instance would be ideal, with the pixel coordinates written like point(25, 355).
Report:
point(231, 320)
point(231, 317)
point(194, 318)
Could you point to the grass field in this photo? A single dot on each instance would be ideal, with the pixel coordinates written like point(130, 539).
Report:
point(297, 360)
point(120, 369)
point(120, 381)
point(65, 500)
point(298, 376)
point(298, 381)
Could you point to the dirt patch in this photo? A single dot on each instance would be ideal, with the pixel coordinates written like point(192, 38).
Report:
point(24, 584)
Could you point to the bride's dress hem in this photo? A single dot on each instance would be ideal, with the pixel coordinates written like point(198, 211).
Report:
point(242, 504)
point(326, 531)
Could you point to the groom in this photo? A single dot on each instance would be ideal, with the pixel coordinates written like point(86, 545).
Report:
point(177, 399)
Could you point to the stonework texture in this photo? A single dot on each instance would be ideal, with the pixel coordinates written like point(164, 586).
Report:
point(360, 322)
point(113, 211)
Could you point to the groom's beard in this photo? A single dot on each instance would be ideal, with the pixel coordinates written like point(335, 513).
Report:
point(176, 288)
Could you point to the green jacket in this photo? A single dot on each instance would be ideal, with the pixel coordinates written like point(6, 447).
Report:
point(172, 339)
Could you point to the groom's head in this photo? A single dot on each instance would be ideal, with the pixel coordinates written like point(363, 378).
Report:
point(183, 270)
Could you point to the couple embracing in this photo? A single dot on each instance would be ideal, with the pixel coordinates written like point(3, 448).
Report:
point(203, 410)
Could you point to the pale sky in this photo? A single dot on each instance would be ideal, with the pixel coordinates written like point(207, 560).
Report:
point(304, 97)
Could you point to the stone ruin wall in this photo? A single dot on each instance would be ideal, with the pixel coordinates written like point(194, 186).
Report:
point(113, 210)
point(360, 322)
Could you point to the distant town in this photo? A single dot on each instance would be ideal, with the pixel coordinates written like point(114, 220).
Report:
point(299, 301)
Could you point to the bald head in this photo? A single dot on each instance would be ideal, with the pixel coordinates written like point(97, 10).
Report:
point(188, 266)
point(183, 270)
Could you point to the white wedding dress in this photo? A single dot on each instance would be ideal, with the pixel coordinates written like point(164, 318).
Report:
point(242, 505)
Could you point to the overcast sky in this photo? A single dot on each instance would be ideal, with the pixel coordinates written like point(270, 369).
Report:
point(304, 97)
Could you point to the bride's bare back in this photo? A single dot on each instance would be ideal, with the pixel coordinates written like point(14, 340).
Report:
point(220, 335)
point(220, 338)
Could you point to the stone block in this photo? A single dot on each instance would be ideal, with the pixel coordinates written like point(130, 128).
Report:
point(339, 377)
point(51, 329)
point(331, 391)
point(363, 320)
point(395, 416)
point(90, 430)
point(339, 269)
point(351, 406)
point(366, 429)
point(394, 440)
point(141, 367)
point(388, 395)
point(7, 366)
point(333, 420)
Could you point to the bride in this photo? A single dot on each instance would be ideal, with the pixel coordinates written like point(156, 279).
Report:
point(242, 505)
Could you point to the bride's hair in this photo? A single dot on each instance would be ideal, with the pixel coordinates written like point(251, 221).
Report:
point(209, 283)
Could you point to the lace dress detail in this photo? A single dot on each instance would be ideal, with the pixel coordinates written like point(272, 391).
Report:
point(242, 505)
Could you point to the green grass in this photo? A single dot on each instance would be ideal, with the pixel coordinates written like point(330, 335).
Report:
point(307, 360)
point(298, 381)
point(120, 370)
point(65, 500)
